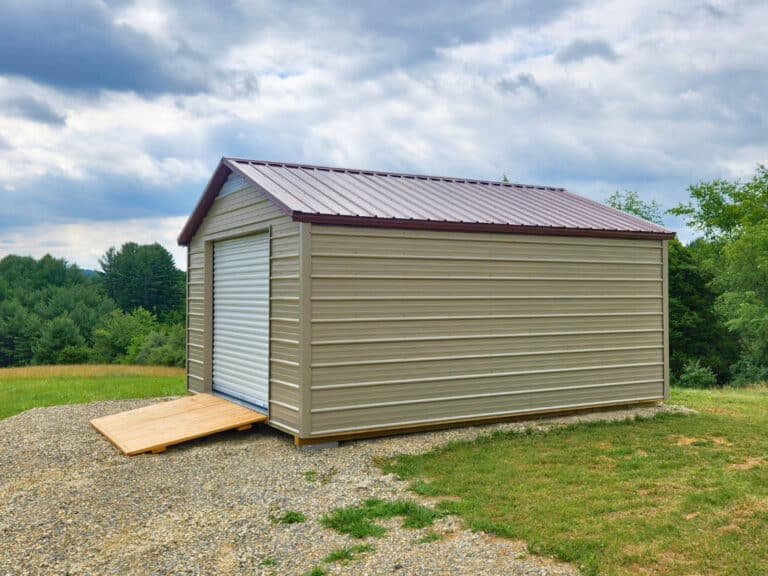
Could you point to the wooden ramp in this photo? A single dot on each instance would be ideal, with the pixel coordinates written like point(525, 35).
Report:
point(153, 428)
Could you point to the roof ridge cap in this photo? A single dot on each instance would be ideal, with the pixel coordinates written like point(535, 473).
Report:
point(385, 173)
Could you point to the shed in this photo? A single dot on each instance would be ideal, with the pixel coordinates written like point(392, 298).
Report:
point(346, 303)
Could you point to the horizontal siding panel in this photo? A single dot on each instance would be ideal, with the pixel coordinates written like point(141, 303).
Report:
point(263, 211)
point(195, 275)
point(329, 398)
point(284, 372)
point(282, 417)
point(383, 307)
point(285, 287)
point(284, 330)
point(500, 245)
point(195, 338)
point(236, 201)
point(195, 368)
point(284, 308)
point(195, 321)
point(285, 265)
point(196, 259)
point(409, 267)
point(284, 393)
point(288, 246)
point(428, 348)
point(481, 288)
point(447, 367)
point(441, 410)
point(195, 307)
point(449, 326)
point(282, 351)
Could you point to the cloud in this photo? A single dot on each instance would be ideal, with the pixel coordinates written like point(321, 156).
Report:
point(524, 80)
point(84, 241)
point(580, 50)
point(31, 109)
point(78, 45)
point(153, 93)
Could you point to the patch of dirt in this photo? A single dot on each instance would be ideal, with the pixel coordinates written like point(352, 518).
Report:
point(748, 508)
point(749, 463)
point(690, 440)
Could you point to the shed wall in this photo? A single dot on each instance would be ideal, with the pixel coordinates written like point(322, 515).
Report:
point(244, 210)
point(414, 327)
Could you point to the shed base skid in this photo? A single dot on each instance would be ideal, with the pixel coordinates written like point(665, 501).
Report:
point(334, 439)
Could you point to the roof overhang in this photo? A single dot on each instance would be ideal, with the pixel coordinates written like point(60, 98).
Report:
point(341, 220)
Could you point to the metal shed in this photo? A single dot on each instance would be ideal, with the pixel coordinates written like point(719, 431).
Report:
point(348, 302)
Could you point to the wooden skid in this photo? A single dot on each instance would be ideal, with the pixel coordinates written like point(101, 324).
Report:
point(153, 428)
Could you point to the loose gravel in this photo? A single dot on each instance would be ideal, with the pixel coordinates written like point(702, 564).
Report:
point(70, 503)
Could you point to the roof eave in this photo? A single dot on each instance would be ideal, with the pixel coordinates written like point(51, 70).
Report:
point(344, 220)
point(218, 178)
point(226, 167)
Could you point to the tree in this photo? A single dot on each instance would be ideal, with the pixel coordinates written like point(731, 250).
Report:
point(628, 201)
point(19, 329)
point(120, 331)
point(733, 215)
point(721, 208)
point(60, 342)
point(142, 276)
point(696, 332)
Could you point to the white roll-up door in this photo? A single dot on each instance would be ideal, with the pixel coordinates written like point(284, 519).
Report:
point(241, 319)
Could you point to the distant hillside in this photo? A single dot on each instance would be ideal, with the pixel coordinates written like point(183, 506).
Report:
point(87, 272)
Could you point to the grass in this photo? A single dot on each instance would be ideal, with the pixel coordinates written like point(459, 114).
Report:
point(430, 536)
point(316, 571)
point(33, 386)
point(347, 553)
point(357, 521)
point(290, 517)
point(678, 494)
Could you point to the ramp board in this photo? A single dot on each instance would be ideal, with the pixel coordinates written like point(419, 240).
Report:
point(153, 428)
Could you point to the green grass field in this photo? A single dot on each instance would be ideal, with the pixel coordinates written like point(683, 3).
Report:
point(679, 494)
point(29, 387)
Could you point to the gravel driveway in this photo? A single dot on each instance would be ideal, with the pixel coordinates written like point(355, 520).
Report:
point(70, 503)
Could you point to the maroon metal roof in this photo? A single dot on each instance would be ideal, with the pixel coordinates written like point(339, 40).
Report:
point(344, 196)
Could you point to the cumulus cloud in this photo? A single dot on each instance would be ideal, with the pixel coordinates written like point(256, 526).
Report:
point(79, 45)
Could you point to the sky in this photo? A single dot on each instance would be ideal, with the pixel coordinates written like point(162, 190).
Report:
point(114, 114)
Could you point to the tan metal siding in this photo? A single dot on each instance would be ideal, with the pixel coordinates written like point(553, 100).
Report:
point(240, 213)
point(412, 327)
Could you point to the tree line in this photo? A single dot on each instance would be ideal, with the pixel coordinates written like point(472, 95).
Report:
point(132, 311)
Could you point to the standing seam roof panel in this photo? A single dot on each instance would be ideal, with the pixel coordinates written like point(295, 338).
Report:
point(322, 177)
point(435, 200)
